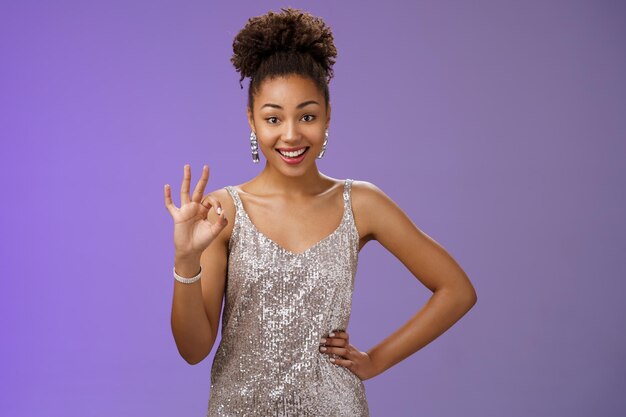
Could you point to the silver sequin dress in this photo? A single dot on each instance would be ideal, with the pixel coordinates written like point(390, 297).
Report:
point(278, 305)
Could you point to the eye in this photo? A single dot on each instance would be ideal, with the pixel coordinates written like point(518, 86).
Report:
point(309, 115)
point(270, 118)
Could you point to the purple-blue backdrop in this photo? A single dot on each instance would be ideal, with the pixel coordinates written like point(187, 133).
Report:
point(498, 126)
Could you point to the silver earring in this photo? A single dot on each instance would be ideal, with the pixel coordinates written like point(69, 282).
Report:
point(254, 146)
point(323, 146)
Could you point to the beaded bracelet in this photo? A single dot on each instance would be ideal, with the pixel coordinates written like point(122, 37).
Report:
point(187, 280)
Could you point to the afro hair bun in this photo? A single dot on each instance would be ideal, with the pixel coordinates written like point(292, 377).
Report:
point(292, 30)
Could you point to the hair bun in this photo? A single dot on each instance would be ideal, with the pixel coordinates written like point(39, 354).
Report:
point(291, 31)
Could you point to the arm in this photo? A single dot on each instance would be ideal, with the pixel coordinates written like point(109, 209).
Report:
point(196, 307)
point(429, 262)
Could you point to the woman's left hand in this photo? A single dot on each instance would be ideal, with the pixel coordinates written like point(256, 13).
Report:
point(358, 362)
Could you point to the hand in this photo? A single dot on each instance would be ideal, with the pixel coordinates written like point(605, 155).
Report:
point(356, 361)
point(192, 231)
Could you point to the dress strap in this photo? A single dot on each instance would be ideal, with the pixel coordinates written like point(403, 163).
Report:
point(347, 187)
point(235, 195)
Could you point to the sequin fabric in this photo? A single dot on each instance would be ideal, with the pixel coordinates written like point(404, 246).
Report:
point(278, 305)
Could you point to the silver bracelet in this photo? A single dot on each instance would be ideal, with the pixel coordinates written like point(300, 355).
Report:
point(187, 280)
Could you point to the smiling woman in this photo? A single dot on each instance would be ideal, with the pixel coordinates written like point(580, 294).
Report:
point(287, 126)
point(279, 252)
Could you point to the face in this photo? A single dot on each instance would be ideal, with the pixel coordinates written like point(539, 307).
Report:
point(289, 115)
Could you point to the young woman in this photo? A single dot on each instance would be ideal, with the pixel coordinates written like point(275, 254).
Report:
point(282, 248)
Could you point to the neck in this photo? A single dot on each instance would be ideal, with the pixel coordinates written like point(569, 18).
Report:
point(272, 181)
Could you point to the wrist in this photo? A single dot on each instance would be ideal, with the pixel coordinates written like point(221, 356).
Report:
point(180, 256)
point(186, 265)
point(377, 366)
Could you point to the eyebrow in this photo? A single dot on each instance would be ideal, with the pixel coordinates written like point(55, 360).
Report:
point(299, 106)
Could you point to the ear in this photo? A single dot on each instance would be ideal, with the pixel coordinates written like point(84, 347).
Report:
point(328, 114)
point(250, 119)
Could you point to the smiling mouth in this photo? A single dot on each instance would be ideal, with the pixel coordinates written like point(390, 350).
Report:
point(294, 154)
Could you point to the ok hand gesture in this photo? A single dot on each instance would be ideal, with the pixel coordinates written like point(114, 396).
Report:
point(192, 231)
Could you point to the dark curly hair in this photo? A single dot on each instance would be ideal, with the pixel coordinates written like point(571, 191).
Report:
point(278, 44)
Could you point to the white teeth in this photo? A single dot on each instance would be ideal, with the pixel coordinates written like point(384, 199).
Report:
point(293, 154)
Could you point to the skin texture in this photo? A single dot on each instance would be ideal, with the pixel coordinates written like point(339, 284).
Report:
point(308, 206)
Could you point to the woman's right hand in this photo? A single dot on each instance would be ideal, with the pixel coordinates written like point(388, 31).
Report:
point(192, 231)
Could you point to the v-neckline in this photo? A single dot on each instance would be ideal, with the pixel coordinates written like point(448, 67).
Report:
point(282, 248)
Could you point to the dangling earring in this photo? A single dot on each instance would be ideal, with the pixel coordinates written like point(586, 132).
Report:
point(254, 146)
point(323, 146)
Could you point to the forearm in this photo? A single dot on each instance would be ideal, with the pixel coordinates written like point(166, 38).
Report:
point(190, 325)
point(443, 309)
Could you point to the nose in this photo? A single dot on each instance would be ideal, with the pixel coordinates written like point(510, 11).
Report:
point(291, 133)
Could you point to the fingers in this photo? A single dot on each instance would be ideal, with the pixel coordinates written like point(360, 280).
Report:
point(168, 199)
point(346, 363)
point(337, 338)
point(184, 189)
point(335, 350)
point(209, 201)
point(335, 344)
point(199, 190)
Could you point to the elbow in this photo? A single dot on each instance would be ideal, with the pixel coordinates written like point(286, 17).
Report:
point(467, 293)
point(471, 298)
point(465, 297)
point(193, 360)
point(194, 357)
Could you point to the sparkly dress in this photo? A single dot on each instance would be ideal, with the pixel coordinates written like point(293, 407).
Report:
point(278, 306)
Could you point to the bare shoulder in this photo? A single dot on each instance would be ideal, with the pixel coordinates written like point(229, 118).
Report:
point(372, 207)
